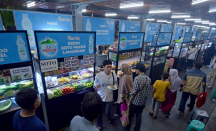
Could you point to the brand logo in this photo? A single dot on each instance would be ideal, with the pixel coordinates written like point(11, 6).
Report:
point(137, 24)
point(123, 42)
point(63, 19)
point(3, 50)
point(73, 38)
point(134, 36)
point(49, 47)
point(110, 22)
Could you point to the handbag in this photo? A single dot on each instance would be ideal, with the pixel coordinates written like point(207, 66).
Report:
point(125, 118)
point(123, 107)
point(201, 99)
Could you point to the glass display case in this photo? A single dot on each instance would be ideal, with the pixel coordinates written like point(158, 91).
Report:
point(16, 68)
point(184, 50)
point(177, 49)
point(129, 51)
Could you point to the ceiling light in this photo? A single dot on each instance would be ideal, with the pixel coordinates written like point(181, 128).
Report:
point(162, 21)
point(131, 5)
point(214, 10)
point(30, 4)
point(181, 23)
point(160, 11)
point(201, 21)
point(150, 19)
point(169, 22)
point(133, 17)
point(196, 25)
point(211, 23)
point(110, 14)
point(84, 10)
point(180, 16)
point(205, 22)
point(198, 1)
point(192, 19)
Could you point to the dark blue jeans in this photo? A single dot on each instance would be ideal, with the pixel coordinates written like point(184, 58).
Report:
point(184, 98)
point(107, 109)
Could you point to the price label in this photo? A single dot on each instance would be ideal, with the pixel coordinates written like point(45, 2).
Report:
point(88, 59)
point(70, 61)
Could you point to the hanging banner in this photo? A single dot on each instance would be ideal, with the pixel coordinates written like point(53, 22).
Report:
point(186, 29)
point(31, 21)
point(129, 26)
point(166, 28)
point(14, 47)
point(177, 32)
point(194, 30)
point(188, 37)
point(205, 36)
point(164, 38)
point(105, 29)
point(52, 45)
point(212, 36)
point(198, 37)
point(129, 41)
point(151, 30)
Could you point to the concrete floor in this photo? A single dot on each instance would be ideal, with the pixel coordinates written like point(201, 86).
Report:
point(174, 123)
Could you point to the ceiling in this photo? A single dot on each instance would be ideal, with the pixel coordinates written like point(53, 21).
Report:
point(100, 7)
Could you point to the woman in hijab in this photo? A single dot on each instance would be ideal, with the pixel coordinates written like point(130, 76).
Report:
point(125, 87)
point(208, 54)
point(211, 77)
point(171, 93)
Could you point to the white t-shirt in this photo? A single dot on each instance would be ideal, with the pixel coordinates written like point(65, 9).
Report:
point(192, 53)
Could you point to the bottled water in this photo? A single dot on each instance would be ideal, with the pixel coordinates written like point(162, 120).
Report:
point(21, 48)
point(90, 44)
point(123, 27)
point(27, 25)
point(141, 41)
point(88, 25)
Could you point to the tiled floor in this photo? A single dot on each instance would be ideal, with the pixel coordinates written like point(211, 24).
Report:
point(174, 123)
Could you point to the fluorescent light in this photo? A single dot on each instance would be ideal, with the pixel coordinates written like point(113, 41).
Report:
point(211, 23)
point(214, 10)
point(150, 19)
point(180, 16)
point(181, 23)
point(192, 19)
point(131, 5)
point(198, 1)
point(196, 25)
point(31, 4)
point(169, 22)
point(160, 11)
point(162, 21)
point(133, 17)
point(201, 21)
point(205, 22)
point(84, 10)
point(110, 14)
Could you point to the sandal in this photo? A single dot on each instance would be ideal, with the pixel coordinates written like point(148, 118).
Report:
point(181, 113)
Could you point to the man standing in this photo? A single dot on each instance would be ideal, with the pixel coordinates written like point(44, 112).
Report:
point(25, 119)
point(139, 95)
point(192, 81)
point(191, 56)
point(102, 81)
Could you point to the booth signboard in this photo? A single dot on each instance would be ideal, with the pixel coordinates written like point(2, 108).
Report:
point(105, 29)
point(198, 37)
point(129, 41)
point(205, 36)
point(177, 32)
point(166, 28)
point(186, 29)
point(164, 38)
point(52, 45)
point(194, 30)
point(14, 48)
point(31, 21)
point(151, 29)
point(188, 37)
point(129, 26)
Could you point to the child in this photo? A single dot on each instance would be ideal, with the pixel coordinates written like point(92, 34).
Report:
point(159, 93)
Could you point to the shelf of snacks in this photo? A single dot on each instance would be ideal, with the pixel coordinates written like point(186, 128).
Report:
point(16, 71)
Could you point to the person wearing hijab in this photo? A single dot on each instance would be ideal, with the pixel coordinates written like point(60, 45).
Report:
point(125, 87)
point(211, 77)
point(171, 93)
point(208, 54)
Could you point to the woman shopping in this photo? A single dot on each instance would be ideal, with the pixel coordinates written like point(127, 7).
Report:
point(125, 87)
point(171, 94)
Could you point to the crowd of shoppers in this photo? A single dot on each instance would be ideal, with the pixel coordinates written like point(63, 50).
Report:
point(133, 93)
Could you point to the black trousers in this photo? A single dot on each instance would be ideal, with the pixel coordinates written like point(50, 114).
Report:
point(184, 98)
point(138, 111)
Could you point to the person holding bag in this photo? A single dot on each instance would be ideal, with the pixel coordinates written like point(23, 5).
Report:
point(102, 81)
point(125, 87)
point(139, 96)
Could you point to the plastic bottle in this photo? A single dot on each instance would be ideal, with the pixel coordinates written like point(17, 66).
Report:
point(141, 41)
point(88, 25)
point(21, 48)
point(27, 25)
point(123, 27)
point(90, 44)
